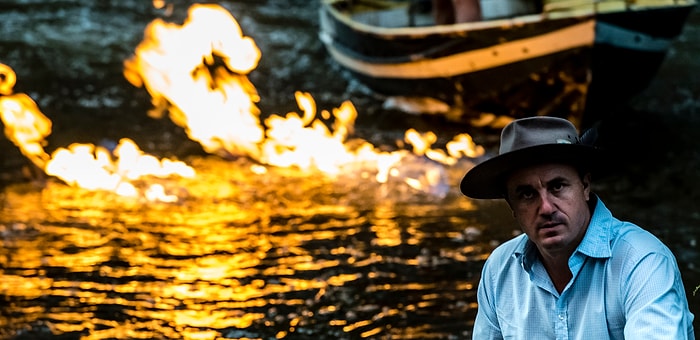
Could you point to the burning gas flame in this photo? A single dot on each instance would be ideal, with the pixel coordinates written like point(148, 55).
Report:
point(93, 168)
point(25, 126)
point(197, 74)
point(83, 165)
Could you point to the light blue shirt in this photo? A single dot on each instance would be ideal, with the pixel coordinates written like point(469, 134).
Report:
point(626, 285)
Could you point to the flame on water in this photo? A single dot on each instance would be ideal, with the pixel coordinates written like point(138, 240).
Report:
point(92, 167)
point(25, 126)
point(83, 165)
point(197, 74)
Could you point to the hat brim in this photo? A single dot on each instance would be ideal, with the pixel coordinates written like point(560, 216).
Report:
point(486, 180)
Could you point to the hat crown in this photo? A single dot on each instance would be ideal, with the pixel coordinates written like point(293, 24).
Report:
point(534, 131)
point(529, 141)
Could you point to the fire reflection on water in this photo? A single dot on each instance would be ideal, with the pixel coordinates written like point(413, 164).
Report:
point(247, 257)
point(286, 242)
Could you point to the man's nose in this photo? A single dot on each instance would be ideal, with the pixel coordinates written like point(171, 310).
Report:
point(546, 204)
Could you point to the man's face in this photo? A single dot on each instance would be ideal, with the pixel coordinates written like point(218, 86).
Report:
point(549, 201)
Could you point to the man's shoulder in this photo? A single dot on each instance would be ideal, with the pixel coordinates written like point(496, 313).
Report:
point(624, 236)
point(515, 245)
point(633, 240)
point(505, 263)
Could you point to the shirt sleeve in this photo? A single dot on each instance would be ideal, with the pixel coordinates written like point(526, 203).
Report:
point(486, 324)
point(655, 301)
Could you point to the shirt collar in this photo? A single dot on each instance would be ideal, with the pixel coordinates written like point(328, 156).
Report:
point(596, 242)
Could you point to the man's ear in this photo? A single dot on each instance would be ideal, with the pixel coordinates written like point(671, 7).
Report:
point(505, 197)
point(586, 181)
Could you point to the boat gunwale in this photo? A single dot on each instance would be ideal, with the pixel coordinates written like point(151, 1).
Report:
point(474, 60)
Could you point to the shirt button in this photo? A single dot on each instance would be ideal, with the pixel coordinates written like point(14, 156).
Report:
point(561, 317)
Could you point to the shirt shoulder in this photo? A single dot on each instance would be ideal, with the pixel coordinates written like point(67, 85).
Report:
point(511, 247)
point(608, 236)
point(633, 242)
point(506, 254)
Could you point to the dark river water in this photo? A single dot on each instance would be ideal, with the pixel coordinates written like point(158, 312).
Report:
point(285, 254)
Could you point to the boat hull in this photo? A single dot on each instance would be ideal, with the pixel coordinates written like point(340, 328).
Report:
point(624, 63)
point(575, 67)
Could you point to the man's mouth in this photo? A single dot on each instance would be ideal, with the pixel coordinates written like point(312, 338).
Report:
point(549, 226)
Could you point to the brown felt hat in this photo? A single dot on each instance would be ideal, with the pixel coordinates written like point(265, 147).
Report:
point(524, 142)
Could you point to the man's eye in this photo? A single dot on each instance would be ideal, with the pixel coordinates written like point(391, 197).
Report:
point(558, 186)
point(526, 195)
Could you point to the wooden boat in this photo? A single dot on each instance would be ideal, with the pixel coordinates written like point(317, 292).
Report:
point(576, 59)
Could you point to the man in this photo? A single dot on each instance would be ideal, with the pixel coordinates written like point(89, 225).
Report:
point(576, 272)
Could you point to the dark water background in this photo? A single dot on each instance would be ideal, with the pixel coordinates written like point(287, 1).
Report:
point(288, 254)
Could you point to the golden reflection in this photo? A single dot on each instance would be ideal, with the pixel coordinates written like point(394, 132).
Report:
point(210, 267)
point(371, 332)
point(26, 287)
point(242, 247)
point(359, 324)
point(196, 334)
point(386, 227)
point(202, 293)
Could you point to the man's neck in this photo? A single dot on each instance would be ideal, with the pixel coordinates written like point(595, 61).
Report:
point(557, 267)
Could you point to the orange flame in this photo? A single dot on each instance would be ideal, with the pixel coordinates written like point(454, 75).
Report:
point(197, 72)
point(92, 168)
point(25, 126)
point(306, 142)
point(82, 165)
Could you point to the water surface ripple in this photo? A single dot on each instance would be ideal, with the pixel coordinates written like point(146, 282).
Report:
point(279, 255)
